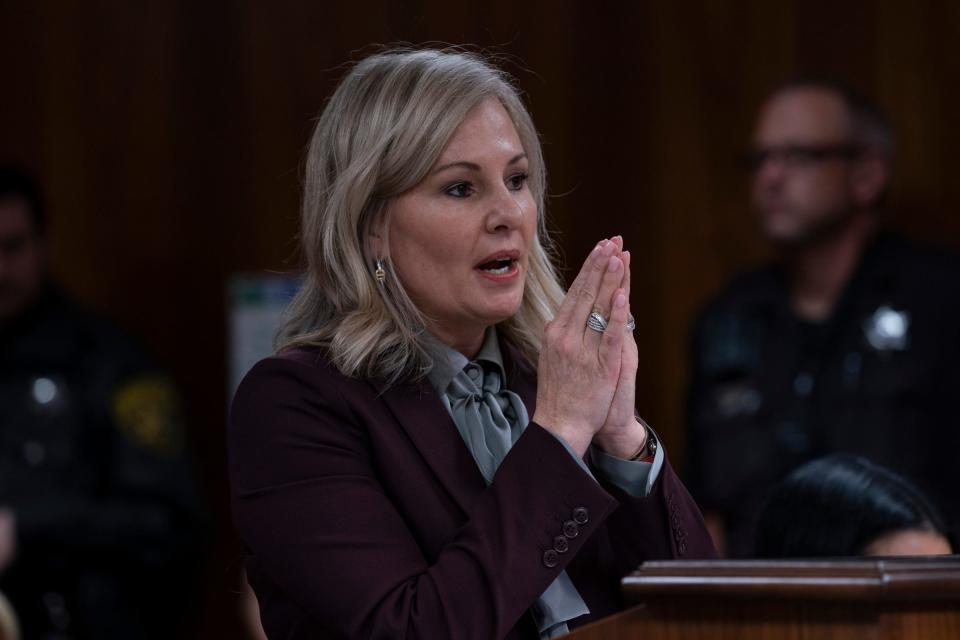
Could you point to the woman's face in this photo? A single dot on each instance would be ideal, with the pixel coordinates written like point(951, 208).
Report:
point(460, 240)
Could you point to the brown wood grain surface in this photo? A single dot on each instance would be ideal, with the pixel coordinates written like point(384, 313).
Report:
point(856, 599)
point(928, 579)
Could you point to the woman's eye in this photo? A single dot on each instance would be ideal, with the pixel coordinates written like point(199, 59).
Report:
point(459, 190)
point(516, 181)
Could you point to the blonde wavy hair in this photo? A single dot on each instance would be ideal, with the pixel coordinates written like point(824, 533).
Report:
point(378, 136)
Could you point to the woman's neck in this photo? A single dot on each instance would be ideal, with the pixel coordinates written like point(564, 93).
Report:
point(819, 272)
point(466, 342)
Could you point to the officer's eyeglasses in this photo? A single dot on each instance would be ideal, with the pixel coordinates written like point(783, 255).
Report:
point(795, 156)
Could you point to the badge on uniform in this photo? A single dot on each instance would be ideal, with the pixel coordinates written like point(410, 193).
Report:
point(146, 410)
point(736, 399)
point(888, 329)
point(48, 394)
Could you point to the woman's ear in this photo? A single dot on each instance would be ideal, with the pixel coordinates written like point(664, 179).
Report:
point(375, 240)
point(374, 245)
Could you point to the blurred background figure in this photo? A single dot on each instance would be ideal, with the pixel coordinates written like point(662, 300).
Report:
point(9, 629)
point(848, 342)
point(248, 611)
point(843, 505)
point(98, 510)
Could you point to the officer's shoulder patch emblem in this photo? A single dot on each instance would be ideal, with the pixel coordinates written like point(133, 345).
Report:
point(146, 409)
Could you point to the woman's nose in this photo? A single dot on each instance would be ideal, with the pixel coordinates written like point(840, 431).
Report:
point(505, 210)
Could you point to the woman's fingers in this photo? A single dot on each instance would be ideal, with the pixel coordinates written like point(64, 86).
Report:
point(581, 379)
point(611, 343)
point(603, 302)
point(586, 285)
point(617, 277)
point(625, 256)
point(604, 271)
point(619, 435)
point(605, 299)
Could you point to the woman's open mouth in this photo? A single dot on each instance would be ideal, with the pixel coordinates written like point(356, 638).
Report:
point(499, 266)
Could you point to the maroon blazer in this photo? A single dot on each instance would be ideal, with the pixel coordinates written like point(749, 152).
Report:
point(365, 516)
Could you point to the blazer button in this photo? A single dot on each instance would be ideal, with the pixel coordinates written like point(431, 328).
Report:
point(560, 544)
point(570, 529)
point(581, 515)
point(550, 558)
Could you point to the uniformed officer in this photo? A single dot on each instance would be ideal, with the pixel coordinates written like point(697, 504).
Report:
point(849, 342)
point(98, 512)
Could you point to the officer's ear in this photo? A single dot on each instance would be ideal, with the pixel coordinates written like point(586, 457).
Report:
point(869, 178)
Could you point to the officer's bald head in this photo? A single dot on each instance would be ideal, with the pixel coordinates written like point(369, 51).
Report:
point(865, 122)
point(820, 159)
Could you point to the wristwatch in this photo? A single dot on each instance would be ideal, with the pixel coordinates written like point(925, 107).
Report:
point(649, 449)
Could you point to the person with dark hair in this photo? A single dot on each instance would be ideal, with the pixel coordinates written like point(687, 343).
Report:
point(98, 509)
point(843, 505)
point(23, 253)
point(849, 341)
point(15, 183)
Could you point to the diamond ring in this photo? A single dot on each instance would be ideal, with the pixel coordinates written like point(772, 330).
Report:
point(596, 322)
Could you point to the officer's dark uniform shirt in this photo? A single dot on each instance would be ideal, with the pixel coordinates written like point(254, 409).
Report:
point(880, 378)
point(93, 465)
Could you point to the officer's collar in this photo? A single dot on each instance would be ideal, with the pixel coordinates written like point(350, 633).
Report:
point(49, 296)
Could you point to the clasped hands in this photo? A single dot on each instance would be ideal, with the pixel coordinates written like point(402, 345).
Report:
point(587, 378)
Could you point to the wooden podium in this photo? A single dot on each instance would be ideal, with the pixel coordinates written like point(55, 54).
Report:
point(879, 599)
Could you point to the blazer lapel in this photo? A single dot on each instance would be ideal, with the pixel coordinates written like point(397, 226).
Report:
point(420, 412)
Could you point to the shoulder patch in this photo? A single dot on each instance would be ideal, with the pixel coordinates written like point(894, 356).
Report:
point(146, 409)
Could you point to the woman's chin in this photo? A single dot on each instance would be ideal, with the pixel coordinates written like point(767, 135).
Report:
point(493, 316)
point(506, 310)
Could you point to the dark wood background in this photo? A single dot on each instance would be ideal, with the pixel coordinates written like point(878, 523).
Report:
point(169, 137)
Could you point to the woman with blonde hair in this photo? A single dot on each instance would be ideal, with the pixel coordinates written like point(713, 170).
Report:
point(401, 468)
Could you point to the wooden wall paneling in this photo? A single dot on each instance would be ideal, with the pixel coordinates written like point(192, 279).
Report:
point(696, 127)
point(21, 64)
point(916, 55)
point(170, 139)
